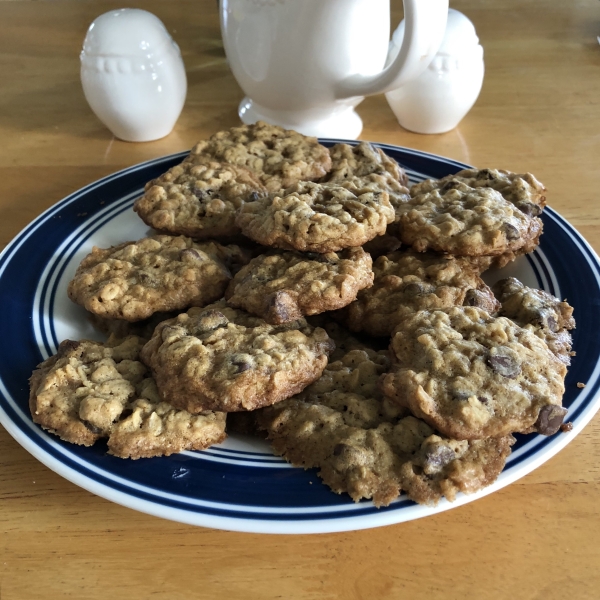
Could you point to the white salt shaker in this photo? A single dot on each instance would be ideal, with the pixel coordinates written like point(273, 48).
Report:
point(132, 75)
point(437, 100)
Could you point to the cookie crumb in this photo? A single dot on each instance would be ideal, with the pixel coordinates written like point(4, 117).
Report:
point(580, 385)
point(566, 427)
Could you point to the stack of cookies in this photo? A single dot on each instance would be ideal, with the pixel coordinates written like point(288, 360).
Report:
point(306, 294)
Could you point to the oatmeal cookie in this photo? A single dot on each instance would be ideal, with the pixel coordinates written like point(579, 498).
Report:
point(472, 376)
point(466, 221)
point(277, 156)
point(361, 160)
point(548, 317)
point(398, 194)
point(90, 390)
point(160, 273)
point(198, 198)
point(368, 448)
point(522, 190)
point(365, 166)
point(314, 217)
point(221, 358)
point(406, 282)
point(285, 286)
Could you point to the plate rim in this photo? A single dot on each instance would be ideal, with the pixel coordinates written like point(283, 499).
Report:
point(272, 526)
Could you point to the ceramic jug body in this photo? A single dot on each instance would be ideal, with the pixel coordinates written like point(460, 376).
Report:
point(305, 64)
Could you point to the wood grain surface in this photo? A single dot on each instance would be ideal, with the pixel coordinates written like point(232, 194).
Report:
point(537, 539)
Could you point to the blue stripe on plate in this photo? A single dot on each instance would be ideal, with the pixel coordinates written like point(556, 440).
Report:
point(254, 491)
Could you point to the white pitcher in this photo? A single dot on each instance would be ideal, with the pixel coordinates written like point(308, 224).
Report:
point(306, 64)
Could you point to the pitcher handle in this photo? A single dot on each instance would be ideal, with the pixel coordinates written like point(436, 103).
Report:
point(425, 25)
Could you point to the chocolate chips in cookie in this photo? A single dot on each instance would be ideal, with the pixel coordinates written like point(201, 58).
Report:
point(89, 391)
point(361, 160)
point(408, 281)
point(285, 286)
point(466, 221)
point(368, 448)
point(221, 358)
point(473, 376)
point(522, 190)
point(198, 198)
point(548, 317)
point(314, 217)
point(161, 273)
point(278, 157)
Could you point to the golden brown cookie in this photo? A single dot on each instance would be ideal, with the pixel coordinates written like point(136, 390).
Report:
point(285, 286)
point(521, 189)
point(406, 282)
point(466, 221)
point(221, 358)
point(161, 273)
point(315, 217)
point(368, 448)
point(473, 376)
point(198, 198)
point(90, 390)
point(361, 160)
point(548, 317)
point(278, 157)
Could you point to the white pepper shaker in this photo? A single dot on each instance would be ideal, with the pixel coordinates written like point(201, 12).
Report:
point(132, 75)
point(437, 100)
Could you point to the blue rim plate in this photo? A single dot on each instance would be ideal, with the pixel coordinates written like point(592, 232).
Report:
point(239, 485)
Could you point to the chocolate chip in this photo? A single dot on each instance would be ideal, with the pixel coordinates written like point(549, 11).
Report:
point(546, 318)
point(253, 197)
point(511, 232)
point(550, 419)
point(504, 364)
point(483, 399)
point(67, 346)
point(282, 308)
point(437, 457)
point(486, 174)
point(450, 185)
point(417, 289)
point(339, 449)
point(475, 298)
point(241, 365)
point(529, 208)
point(190, 254)
point(201, 194)
point(91, 427)
point(146, 279)
point(322, 258)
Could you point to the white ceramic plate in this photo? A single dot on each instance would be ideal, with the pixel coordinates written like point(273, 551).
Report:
point(239, 485)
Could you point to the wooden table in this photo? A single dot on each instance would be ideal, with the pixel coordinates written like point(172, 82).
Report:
point(536, 539)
